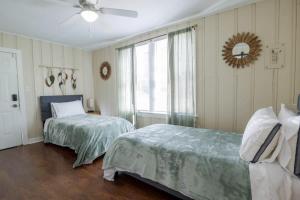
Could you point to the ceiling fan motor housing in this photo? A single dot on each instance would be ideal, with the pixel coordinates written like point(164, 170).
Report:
point(88, 4)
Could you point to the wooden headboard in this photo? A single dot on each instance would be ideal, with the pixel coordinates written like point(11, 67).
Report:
point(45, 102)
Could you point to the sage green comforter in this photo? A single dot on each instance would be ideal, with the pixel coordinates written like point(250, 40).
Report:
point(200, 163)
point(89, 135)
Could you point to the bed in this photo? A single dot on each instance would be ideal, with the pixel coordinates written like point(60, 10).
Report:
point(88, 135)
point(193, 163)
point(190, 163)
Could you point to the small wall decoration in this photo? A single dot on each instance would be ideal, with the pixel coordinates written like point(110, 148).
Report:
point(62, 78)
point(49, 80)
point(73, 79)
point(105, 70)
point(61, 75)
point(275, 56)
point(241, 50)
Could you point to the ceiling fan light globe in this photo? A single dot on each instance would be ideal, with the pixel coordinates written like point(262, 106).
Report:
point(89, 15)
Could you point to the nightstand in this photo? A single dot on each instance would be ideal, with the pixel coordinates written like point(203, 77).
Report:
point(94, 113)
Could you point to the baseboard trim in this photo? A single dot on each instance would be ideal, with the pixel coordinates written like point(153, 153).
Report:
point(35, 140)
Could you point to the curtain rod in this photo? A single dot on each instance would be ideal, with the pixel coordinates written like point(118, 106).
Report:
point(149, 39)
point(155, 37)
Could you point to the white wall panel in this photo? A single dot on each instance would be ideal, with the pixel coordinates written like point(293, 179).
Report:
point(68, 57)
point(47, 58)
point(226, 74)
point(297, 70)
point(27, 62)
point(9, 41)
point(265, 78)
point(211, 73)
point(245, 77)
point(200, 87)
point(285, 87)
point(87, 81)
point(39, 87)
point(1, 39)
point(78, 63)
point(58, 55)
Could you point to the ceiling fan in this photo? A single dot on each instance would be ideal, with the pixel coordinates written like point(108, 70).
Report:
point(90, 10)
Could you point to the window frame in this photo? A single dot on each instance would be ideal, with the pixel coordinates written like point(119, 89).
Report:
point(151, 75)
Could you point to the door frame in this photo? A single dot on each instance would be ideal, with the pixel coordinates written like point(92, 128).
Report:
point(22, 102)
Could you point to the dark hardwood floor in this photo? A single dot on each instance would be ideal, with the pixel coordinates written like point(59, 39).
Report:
point(41, 171)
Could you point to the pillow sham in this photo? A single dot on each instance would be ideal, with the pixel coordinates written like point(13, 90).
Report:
point(53, 111)
point(261, 136)
point(285, 113)
point(66, 109)
point(289, 156)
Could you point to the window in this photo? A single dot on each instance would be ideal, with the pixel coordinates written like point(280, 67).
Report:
point(151, 76)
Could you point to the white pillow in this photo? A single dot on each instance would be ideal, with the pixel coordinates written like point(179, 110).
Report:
point(68, 109)
point(53, 111)
point(289, 156)
point(261, 136)
point(285, 113)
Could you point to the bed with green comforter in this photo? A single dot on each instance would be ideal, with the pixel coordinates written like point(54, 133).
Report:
point(201, 164)
point(88, 135)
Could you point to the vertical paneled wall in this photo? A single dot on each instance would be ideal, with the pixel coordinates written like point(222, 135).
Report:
point(105, 91)
point(36, 53)
point(227, 97)
point(297, 45)
point(245, 22)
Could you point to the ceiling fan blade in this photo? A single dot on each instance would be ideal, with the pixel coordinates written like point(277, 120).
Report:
point(119, 12)
point(63, 2)
point(68, 19)
point(77, 6)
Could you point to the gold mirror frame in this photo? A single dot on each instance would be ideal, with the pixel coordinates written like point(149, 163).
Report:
point(254, 45)
point(108, 68)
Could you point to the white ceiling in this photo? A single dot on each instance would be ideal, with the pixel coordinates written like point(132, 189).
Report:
point(41, 19)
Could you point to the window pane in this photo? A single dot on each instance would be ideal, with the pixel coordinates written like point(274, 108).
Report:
point(160, 76)
point(142, 78)
point(151, 76)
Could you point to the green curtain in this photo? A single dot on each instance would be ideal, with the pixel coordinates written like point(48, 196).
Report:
point(182, 77)
point(125, 83)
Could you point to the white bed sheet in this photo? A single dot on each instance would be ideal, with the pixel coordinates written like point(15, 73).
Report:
point(269, 181)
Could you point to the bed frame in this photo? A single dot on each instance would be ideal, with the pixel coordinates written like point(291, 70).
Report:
point(156, 185)
point(45, 102)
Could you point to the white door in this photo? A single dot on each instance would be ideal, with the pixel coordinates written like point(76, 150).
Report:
point(10, 113)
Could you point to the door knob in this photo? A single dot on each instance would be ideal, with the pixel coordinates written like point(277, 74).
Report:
point(15, 105)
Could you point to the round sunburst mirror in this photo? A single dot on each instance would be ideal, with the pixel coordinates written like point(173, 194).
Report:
point(241, 50)
point(105, 70)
